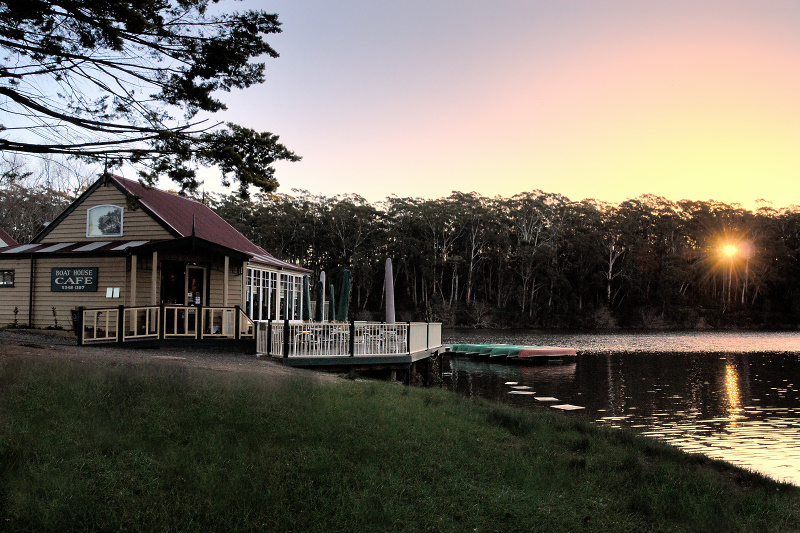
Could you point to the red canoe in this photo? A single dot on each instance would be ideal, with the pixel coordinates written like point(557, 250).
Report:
point(534, 351)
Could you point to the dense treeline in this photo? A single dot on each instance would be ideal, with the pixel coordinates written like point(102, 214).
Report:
point(535, 259)
point(539, 259)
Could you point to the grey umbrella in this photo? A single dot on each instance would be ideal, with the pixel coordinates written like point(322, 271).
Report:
point(389, 280)
point(344, 296)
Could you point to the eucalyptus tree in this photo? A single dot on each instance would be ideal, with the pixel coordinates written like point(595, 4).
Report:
point(440, 232)
point(354, 229)
point(406, 246)
point(118, 81)
point(474, 218)
point(578, 280)
point(531, 216)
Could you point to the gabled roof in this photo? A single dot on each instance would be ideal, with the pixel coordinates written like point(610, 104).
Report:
point(182, 217)
point(6, 239)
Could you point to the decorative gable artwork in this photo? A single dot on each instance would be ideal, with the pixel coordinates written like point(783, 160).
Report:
point(104, 221)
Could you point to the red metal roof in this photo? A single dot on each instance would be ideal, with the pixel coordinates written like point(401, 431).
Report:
point(180, 213)
point(6, 238)
point(181, 216)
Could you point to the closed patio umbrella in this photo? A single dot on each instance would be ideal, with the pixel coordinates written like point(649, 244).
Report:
point(332, 306)
point(306, 298)
point(344, 297)
point(389, 281)
point(319, 310)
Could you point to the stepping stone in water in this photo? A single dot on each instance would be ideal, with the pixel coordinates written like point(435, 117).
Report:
point(567, 407)
point(546, 399)
point(511, 382)
point(521, 387)
point(521, 392)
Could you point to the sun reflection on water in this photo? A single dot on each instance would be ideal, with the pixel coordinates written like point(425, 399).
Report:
point(734, 395)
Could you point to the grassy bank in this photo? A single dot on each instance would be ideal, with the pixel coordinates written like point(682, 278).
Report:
point(162, 448)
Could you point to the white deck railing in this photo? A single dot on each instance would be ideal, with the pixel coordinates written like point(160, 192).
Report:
point(317, 339)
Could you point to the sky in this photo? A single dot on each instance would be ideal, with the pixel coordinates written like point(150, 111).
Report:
point(604, 99)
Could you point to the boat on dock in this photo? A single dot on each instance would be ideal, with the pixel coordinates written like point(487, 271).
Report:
point(516, 354)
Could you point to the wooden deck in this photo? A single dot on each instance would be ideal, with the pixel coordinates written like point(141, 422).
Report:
point(324, 345)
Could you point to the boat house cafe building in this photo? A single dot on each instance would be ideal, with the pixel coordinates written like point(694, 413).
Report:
point(128, 262)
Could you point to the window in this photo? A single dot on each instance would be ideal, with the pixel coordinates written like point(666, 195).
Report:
point(6, 278)
point(104, 221)
point(263, 300)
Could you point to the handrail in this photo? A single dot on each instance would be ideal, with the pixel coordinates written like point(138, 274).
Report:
point(247, 328)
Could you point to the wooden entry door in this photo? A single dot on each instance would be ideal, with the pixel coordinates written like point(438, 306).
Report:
point(195, 285)
point(173, 283)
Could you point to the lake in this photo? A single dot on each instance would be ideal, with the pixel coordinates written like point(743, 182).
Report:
point(729, 395)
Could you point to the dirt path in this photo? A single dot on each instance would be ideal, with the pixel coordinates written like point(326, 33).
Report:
point(42, 344)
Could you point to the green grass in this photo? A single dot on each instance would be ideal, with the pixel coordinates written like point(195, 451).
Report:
point(95, 447)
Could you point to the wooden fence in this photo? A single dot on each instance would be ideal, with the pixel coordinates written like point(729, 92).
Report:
point(124, 324)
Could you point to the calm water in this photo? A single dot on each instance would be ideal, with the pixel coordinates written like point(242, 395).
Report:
point(732, 396)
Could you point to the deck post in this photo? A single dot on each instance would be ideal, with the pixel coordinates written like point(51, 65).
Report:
point(236, 324)
point(162, 321)
point(121, 324)
point(285, 338)
point(352, 337)
point(79, 326)
point(428, 339)
point(269, 337)
point(154, 280)
point(408, 338)
point(198, 323)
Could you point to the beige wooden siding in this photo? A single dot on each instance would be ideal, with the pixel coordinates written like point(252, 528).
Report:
point(217, 296)
point(144, 276)
point(112, 272)
point(16, 296)
point(136, 224)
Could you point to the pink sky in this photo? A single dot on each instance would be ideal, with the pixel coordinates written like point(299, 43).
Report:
point(590, 99)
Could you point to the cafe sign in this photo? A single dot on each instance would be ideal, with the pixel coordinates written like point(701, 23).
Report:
point(73, 279)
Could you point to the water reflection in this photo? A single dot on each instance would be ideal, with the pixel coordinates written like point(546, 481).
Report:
point(738, 406)
point(734, 399)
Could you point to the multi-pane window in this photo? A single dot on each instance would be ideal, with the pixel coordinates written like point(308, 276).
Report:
point(6, 278)
point(266, 299)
